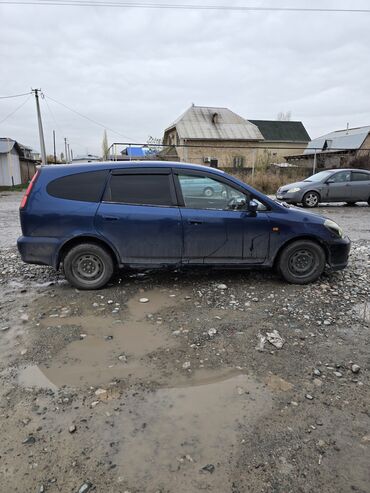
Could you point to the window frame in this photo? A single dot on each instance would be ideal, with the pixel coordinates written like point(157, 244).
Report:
point(205, 174)
point(141, 171)
point(361, 172)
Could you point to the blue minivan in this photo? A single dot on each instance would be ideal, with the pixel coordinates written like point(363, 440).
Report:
point(95, 218)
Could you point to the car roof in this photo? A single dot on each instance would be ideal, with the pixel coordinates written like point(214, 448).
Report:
point(130, 165)
point(345, 169)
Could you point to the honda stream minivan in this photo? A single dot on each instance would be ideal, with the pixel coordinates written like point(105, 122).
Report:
point(94, 218)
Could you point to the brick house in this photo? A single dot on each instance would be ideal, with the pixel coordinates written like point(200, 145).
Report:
point(221, 138)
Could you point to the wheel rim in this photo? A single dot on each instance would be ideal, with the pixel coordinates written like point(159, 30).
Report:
point(208, 192)
point(311, 199)
point(88, 268)
point(302, 262)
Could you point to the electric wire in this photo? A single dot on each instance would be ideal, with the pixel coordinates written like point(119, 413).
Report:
point(88, 118)
point(15, 95)
point(15, 111)
point(139, 5)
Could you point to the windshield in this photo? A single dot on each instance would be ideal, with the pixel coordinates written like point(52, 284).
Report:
point(319, 176)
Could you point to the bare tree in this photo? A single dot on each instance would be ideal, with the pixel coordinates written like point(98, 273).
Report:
point(284, 117)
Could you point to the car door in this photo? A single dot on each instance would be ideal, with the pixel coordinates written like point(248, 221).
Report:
point(339, 187)
point(360, 186)
point(215, 231)
point(139, 216)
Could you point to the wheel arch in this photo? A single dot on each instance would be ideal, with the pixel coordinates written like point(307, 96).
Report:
point(77, 240)
point(298, 238)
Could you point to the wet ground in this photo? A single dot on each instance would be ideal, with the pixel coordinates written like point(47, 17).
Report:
point(170, 382)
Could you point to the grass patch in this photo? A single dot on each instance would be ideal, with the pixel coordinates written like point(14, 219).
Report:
point(16, 188)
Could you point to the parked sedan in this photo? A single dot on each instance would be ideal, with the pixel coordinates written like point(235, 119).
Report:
point(345, 185)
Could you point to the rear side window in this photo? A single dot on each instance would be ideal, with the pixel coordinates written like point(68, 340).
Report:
point(86, 187)
point(358, 176)
point(140, 189)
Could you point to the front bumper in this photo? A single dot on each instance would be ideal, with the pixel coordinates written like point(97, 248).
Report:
point(289, 198)
point(38, 250)
point(338, 253)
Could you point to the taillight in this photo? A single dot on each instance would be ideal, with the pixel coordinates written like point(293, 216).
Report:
point(28, 191)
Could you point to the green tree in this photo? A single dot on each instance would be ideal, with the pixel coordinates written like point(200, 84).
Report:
point(105, 147)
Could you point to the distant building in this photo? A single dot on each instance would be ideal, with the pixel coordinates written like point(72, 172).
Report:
point(86, 158)
point(17, 162)
point(339, 149)
point(221, 138)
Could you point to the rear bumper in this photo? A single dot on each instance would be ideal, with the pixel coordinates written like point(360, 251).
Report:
point(38, 250)
point(338, 253)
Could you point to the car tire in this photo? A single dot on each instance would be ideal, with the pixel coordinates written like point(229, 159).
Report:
point(208, 192)
point(368, 201)
point(311, 199)
point(302, 262)
point(351, 204)
point(88, 266)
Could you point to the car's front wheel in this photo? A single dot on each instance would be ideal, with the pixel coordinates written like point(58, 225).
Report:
point(302, 262)
point(88, 266)
point(208, 192)
point(311, 199)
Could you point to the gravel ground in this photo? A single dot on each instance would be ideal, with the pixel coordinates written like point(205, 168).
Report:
point(177, 381)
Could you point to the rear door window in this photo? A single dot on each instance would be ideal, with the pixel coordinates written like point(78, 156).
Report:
point(140, 189)
point(85, 187)
point(359, 176)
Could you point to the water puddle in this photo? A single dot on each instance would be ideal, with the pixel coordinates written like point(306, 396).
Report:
point(111, 347)
point(32, 376)
point(182, 430)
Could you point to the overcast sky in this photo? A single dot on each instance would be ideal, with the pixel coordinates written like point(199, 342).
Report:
point(136, 71)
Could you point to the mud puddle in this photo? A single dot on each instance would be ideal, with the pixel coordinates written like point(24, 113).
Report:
point(165, 440)
point(110, 347)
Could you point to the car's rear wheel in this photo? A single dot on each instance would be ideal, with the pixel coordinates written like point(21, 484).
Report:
point(311, 199)
point(208, 192)
point(351, 203)
point(368, 200)
point(302, 262)
point(88, 266)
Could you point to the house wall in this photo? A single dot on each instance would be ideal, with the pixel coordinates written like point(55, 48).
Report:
point(257, 154)
point(28, 169)
point(10, 173)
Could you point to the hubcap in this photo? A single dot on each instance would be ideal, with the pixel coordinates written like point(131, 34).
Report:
point(208, 192)
point(302, 262)
point(311, 199)
point(88, 267)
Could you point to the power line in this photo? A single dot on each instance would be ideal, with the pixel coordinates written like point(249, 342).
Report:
point(15, 95)
point(15, 111)
point(137, 5)
point(88, 118)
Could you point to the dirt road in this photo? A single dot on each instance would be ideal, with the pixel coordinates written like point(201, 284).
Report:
point(165, 381)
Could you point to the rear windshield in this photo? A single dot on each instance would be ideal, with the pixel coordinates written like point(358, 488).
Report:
point(85, 187)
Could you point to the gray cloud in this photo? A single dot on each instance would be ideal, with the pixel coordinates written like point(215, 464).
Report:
point(137, 70)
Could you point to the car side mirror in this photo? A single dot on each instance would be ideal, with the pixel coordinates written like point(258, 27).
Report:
point(252, 206)
point(330, 181)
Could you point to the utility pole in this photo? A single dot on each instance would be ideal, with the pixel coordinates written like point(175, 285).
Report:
point(71, 155)
point(41, 131)
point(65, 150)
point(55, 151)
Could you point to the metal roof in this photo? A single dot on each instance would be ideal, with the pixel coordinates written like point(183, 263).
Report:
point(6, 145)
point(207, 123)
point(282, 131)
point(351, 139)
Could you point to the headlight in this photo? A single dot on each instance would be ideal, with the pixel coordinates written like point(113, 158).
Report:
point(333, 227)
point(294, 190)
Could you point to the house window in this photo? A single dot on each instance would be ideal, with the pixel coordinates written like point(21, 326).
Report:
point(238, 161)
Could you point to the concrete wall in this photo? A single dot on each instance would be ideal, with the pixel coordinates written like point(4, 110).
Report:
point(10, 173)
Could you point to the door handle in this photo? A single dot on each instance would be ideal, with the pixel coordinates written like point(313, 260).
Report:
point(195, 221)
point(110, 218)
